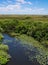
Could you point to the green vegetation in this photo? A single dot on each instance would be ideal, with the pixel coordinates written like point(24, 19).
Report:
point(3, 47)
point(4, 57)
point(34, 27)
point(1, 36)
point(14, 34)
point(40, 52)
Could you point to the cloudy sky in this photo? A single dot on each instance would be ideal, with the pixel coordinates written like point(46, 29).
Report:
point(24, 7)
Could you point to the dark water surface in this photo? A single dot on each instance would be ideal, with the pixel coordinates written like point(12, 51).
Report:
point(17, 52)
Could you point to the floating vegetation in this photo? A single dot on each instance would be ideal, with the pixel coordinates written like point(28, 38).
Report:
point(34, 50)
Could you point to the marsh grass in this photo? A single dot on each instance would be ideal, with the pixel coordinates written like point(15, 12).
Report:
point(1, 37)
point(4, 56)
point(33, 46)
point(4, 47)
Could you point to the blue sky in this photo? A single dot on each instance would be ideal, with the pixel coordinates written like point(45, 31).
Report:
point(38, 7)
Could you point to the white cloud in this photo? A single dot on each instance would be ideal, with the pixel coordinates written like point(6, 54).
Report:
point(17, 8)
point(21, 1)
point(30, 3)
point(38, 10)
point(24, 2)
point(10, 7)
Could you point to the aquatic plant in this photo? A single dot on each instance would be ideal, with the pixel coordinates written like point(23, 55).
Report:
point(34, 50)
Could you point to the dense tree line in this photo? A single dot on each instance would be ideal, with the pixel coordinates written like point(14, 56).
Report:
point(35, 29)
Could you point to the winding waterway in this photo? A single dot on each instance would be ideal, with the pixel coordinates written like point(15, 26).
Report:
point(17, 52)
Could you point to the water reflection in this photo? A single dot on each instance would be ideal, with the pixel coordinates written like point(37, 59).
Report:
point(18, 52)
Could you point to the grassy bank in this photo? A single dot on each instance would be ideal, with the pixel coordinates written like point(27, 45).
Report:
point(4, 56)
point(41, 53)
point(1, 37)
